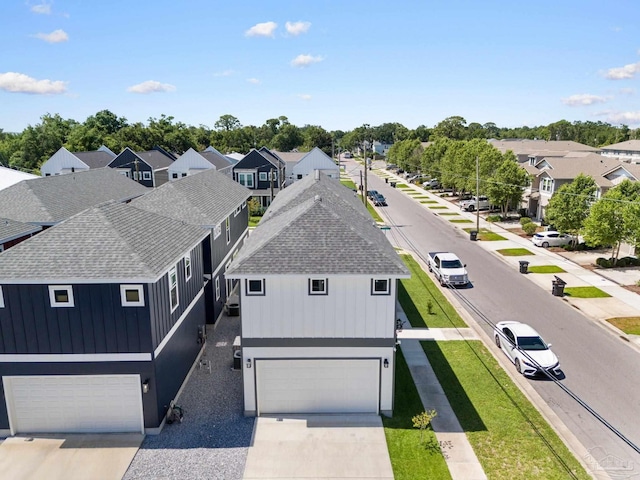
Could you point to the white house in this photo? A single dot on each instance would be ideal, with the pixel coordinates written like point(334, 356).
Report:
point(317, 292)
point(191, 162)
point(628, 151)
point(316, 159)
point(9, 176)
point(64, 161)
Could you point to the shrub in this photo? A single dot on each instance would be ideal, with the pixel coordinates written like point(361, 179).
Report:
point(627, 262)
point(524, 220)
point(604, 262)
point(494, 218)
point(529, 228)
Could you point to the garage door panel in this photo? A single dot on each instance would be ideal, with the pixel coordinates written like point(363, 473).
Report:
point(74, 403)
point(318, 386)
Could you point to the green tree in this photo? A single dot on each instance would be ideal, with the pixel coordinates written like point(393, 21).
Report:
point(569, 206)
point(451, 127)
point(227, 123)
point(316, 136)
point(287, 138)
point(505, 186)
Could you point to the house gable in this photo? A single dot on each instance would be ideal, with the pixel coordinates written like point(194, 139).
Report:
point(61, 162)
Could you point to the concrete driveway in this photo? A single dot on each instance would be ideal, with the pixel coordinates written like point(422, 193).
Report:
point(319, 446)
point(68, 457)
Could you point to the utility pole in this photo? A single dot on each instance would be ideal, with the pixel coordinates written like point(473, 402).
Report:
point(477, 196)
point(137, 175)
point(361, 191)
point(271, 183)
point(366, 167)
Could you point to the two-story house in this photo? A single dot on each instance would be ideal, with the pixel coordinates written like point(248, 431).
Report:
point(192, 162)
point(101, 319)
point(262, 172)
point(318, 284)
point(314, 160)
point(150, 168)
point(217, 204)
point(64, 161)
point(628, 151)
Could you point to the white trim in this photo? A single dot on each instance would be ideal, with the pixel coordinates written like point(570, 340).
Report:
point(52, 296)
point(175, 327)
point(71, 357)
point(187, 267)
point(217, 230)
point(173, 271)
point(123, 295)
point(1, 298)
point(145, 174)
point(227, 229)
point(217, 283)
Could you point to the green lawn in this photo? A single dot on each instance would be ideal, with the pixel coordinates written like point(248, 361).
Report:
point(508, 435)
point(585, 292)
point(460, 220)
point(416, 292)
point(514, 252)
point(486, 235)
point(421, 196)
point(411, 459)
point(348, 184)
point(373, 213)
point(449, 213)
point(428, 201)
point(629, 325)
point(438, 207)
point(253, 220)
point(545, 269)
point(402, 185)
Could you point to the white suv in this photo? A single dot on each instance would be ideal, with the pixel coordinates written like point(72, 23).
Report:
point(471, 205)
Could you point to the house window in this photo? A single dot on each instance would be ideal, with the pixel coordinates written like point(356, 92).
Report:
point(255, 287)
point(146, 175)
point(244, 204)
point(61, 295)
point(380, 286)
point(217, 288)
point(237, 211)
point(217, 231)
point(1, 298)
point(299, 176)
point(546, 185)
point(274, 175)
point(318, 286)
point(173, 288)
point(184, 174)
point(132, 295)
point(263, 176)
point(174, 175)
point(228, 229)
point(245, 179)
point(187, 266)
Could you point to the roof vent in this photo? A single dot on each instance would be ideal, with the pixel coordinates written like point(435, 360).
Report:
point(316, 174)
point(317, 198)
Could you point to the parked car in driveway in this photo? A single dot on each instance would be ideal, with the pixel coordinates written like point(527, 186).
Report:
point(475, 204)
point(433, 183)
point(551, 238)
point(526, 349)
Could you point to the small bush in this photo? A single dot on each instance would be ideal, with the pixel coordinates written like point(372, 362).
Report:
point(494, 218)
point(524, 220)
point(622, 262)
point(604, 262)
point(529, 228)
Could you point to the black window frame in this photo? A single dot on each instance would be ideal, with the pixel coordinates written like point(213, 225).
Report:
point(255, 293)
point(378, 292)
point(325, 283)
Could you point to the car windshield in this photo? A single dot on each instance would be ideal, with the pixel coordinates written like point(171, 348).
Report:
point(451, 264)
point(531, 343)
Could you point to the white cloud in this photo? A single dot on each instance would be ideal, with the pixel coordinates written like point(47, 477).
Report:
point(304, 96)
point(305, 60)
point(224, 73)
point(255, 81)
point(42, 9)
point(583, 99)
point(630, 118)
point(620, 73)
point(265, 29)
point(56, 36)
point(151, 86)
point(21, 83)
point(296, 28)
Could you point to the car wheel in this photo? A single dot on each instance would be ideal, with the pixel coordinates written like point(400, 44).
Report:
point(497, 341)
point(471, 208)
point(545, 244)
point(517, 362)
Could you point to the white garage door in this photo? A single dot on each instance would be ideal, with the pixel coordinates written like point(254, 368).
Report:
point(318, 386)
point(74, 404)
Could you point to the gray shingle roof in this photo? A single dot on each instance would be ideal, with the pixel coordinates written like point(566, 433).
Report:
point(10, 229)
point(629, 145)
point(49, 200)
point(95, 159)
point(156, 159)
point(205, 198)
point(318, 238)
point(110, 242)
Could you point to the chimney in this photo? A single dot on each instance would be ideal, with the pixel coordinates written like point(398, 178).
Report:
point(317, 198)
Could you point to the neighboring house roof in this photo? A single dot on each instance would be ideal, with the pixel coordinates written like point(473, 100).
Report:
point(632, 171)
point(205, 199)
point(262, 159)
point(63, 159)
point(235, 157)
point(320, 235)
point(156, 159)
point(11, 229)
point(288, 157)
point(316, 159)
point(49, 200)
point(191, 160)
point(96, 159)
point(218, 160)
point(568, 168)
point(9, 176)
point(112, 242)
point(541, 147)
point(276, 160)
point(629, 146)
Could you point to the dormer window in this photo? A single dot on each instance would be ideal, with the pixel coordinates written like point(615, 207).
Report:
point(61, 295)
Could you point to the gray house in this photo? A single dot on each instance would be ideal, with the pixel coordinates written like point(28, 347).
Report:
point(101, 319)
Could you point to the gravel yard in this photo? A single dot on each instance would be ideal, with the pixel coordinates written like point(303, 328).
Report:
point(214, 436)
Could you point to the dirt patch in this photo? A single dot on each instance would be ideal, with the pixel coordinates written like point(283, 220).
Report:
point(632, 288)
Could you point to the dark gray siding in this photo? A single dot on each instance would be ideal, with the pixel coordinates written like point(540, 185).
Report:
point(98, 323)
point(128, 159)
point(162, 319)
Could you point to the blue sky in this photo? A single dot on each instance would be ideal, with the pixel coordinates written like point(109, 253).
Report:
point(337, 64)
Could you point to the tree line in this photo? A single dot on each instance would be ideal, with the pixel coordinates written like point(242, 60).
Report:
point(27, 150)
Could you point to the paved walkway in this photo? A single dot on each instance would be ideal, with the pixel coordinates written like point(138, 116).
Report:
point(456, 449)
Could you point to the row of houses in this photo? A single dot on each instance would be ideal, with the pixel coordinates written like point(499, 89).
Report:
point(263, 171)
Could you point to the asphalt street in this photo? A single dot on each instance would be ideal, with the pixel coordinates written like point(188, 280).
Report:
point(599, 368)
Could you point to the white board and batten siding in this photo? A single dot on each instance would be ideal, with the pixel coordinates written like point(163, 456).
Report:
point(74, 403)
point(348, 311)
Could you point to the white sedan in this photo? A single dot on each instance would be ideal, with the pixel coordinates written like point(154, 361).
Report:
point(551, 239)
point(526, 349)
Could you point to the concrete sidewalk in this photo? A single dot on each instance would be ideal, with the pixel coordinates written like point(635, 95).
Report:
point(456, 449)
